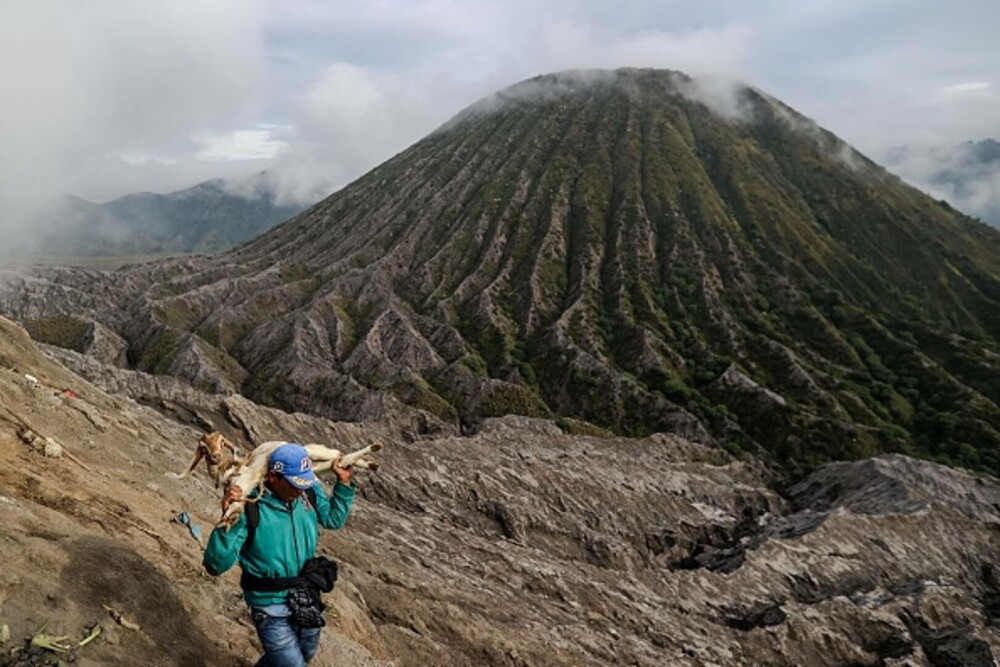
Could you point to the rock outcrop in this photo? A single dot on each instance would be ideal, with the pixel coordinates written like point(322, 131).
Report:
point(519, 545)
point(660, 551)
point(104, 345)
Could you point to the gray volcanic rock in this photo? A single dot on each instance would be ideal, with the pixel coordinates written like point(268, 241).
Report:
point(735, 382)
point(206, 367)
point(105, 345)
point(135, 384)
point(659, 551)
point(520, 545)
point(392, 351)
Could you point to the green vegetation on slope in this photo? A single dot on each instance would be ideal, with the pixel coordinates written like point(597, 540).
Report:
point(612, 250)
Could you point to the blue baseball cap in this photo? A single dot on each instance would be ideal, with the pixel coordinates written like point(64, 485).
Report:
point(291, 461)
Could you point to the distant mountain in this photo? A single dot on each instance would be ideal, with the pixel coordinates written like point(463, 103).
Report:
point(966, 175)
point(627, 249)
point(209, 217)
point(986, 151)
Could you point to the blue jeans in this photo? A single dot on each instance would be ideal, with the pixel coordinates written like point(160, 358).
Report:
point(285, 643)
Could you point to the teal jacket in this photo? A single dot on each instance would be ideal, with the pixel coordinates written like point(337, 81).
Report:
point(285, 538)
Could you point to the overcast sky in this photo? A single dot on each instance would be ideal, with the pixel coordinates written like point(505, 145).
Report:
point(104, 97)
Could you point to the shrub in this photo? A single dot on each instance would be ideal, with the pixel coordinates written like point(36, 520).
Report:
point(61, 331)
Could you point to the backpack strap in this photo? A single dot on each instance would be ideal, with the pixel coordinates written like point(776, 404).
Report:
point(252, 513)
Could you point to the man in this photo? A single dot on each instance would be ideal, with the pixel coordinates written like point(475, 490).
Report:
point(283, 539)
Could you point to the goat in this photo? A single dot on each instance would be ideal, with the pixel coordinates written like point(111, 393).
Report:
point(212, 448)
point(252, 471)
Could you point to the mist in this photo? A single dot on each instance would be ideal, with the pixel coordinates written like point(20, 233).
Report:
point(115, 96)
point(89, 90)
point(966, 175)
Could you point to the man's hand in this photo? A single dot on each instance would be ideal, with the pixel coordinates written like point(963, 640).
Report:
point(233, 493)
point(343, 474)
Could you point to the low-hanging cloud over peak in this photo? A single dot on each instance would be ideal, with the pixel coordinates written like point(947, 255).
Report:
point(116, 96)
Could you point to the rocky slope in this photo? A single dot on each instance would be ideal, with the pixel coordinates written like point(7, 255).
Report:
point(624, 248)
point(519, 546)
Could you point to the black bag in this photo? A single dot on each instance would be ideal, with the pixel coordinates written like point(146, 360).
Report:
point(304, 599)
point(306, 606)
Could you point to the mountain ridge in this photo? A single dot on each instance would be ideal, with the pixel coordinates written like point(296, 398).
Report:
point(211, 216)
point(619, 253)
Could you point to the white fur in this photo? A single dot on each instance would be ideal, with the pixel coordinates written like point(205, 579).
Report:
point(252, 471)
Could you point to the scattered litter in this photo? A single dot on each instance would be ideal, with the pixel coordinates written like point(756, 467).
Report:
point(40, 444)
point(91, 636)
point(8, 501)
point(54, 643)
point(4, 634)
point(52, 449)
point(193, 528)
point(48, 447)
point(68, 392)
point(121, 620)
point(50, 642)
point(32, 380)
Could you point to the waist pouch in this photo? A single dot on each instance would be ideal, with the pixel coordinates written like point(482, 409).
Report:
point(306, 607)
point(304, 600)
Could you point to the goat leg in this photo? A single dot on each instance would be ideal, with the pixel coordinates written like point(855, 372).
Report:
point(236, 451)
point(356, 458)
point(198, 455)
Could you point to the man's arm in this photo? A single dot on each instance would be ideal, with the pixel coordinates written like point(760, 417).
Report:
point(224, 546)
point(333, 510)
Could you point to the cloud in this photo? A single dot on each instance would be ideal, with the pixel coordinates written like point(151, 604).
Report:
point(966, 88)
point(113, 176)
point(706, 51)
point(722, 95)
point(258, 144)
point(137, 158)
point(116, 80)
point(350, 120)
point(966, 175)
point(456, 18)
point(112, 96)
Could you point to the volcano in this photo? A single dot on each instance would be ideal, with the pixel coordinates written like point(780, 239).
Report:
point(628, 251)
